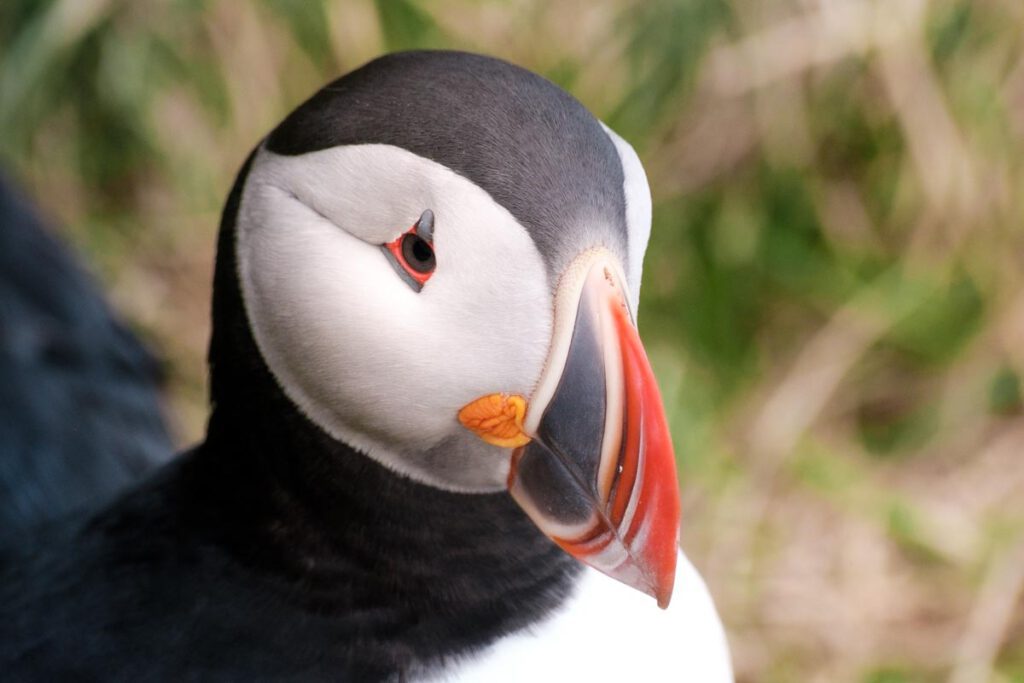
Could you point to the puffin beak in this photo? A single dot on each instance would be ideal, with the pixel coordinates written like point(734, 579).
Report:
point(593, 464)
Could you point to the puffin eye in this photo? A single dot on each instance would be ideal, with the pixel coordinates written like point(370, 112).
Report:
point(417, 253)
point(412, 253)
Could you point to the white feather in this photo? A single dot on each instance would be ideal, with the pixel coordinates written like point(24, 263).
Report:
point(609, 632)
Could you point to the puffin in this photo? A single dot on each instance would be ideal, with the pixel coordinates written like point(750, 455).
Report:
point(436, 449)
point(80, 408)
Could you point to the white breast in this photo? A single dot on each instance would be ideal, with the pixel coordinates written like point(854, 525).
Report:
point(609, 632)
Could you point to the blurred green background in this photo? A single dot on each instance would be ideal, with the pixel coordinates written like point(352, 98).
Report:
point(833, 297)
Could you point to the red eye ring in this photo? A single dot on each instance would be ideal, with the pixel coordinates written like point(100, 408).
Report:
point(412, 252)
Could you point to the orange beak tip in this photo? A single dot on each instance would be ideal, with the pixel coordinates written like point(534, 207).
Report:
point(663, 589)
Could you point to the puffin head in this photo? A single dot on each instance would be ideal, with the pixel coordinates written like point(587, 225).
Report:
point(439, 258)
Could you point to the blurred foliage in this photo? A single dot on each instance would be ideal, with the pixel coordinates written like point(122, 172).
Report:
point(834, 291)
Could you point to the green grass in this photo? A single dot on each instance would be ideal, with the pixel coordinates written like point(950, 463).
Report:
point(834, 294)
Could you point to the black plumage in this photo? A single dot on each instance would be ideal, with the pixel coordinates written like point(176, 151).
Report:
point(272, 552)
point(80, 415)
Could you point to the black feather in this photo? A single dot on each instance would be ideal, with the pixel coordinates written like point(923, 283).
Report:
point(80, 416)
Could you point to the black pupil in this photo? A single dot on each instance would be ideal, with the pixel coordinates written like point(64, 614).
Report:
point(418, 253)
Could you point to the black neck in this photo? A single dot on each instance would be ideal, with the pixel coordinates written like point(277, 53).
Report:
point(302, 506)
point(356, 535)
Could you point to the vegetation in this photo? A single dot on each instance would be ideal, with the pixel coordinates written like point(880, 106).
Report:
point(834, 294)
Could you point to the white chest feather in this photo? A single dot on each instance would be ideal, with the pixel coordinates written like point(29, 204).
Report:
point(609, 632)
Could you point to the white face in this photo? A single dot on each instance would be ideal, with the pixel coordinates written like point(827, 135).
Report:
point(376, 364)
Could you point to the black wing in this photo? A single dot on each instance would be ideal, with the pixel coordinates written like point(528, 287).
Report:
point(80, 413)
